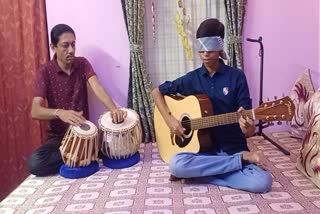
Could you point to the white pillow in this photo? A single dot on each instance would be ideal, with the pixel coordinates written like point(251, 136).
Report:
point(300, 94)
point(312, 107)
point(308, 161)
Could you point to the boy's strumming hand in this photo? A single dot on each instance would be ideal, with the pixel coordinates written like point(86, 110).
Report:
point(175, 127)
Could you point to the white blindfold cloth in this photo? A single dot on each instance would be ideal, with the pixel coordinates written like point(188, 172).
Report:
point(213, 43)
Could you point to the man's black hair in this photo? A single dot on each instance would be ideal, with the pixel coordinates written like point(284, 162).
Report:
point(58, 30)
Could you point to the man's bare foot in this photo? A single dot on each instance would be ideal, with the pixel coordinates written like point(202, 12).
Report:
point(253, 157)
point(174, 178)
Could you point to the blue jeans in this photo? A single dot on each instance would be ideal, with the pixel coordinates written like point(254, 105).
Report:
point(222, 170)
point(46, 160)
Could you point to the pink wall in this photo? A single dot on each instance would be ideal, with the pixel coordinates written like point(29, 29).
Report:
point(101, 38)
point(290, 31)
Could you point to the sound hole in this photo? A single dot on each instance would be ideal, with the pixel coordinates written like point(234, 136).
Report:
point(84, 127)
point(185, 122)
point(182, 142)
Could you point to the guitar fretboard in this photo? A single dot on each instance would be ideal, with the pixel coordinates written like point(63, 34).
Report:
point(219, 120)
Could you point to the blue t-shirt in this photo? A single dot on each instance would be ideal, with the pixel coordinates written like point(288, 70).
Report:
point(228, 90)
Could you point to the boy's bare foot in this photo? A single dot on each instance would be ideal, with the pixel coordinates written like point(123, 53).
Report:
point(253, 157)
point(174, 178)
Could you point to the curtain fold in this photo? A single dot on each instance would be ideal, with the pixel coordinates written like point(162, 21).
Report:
point(139, 95)
point(235, 11)
point(23, 47)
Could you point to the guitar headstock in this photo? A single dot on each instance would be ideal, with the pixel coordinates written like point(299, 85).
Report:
point(282, 109)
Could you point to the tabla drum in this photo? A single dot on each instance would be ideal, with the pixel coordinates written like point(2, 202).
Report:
point(79, 151)
point(120, 142)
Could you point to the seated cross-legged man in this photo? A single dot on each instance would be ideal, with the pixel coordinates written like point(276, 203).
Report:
point(231, 163)
point(63, 83)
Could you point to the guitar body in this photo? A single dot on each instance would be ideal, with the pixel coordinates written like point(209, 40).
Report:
point(194, 106)
point(196, 116)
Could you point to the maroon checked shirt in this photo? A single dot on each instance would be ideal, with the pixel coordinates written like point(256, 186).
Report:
point(63, 91)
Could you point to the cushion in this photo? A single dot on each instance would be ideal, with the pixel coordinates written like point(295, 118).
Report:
point(79, 172)
point(308, 161)
point(123, 162)
point(300, 94)
point(312, 107)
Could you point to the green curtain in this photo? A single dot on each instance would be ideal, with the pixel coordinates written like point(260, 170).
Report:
point(139, 96)
point(235, 11)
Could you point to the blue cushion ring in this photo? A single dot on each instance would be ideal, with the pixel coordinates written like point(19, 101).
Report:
point(122, 162)
point(79, 172)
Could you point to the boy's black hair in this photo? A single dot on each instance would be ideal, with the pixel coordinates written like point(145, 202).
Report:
point(210, 27)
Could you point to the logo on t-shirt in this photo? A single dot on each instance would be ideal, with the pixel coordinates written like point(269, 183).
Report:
point(225, 90)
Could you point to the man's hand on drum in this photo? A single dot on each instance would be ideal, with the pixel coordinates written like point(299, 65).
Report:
point(118, 115)
point(74, 118)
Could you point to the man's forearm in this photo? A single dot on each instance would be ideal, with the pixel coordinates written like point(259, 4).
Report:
point(161, 104)
point(43, 113)
point(102, 95)
point(104, 98)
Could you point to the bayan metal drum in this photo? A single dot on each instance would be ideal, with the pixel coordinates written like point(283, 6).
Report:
point(120, 142)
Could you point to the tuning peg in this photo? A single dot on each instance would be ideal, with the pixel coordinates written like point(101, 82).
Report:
point(283, 95)
point(279, 123)
point(268, 99)
point(275, 97)
point(271, 123)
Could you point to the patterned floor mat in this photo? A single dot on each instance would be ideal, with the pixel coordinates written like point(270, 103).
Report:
point(145, 188)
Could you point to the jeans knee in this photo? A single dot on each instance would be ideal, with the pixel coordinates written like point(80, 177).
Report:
point(33, 164)
point(176, 166)
point(41, 166)
point(261, 184)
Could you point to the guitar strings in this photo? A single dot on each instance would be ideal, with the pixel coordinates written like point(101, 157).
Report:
point(215, 120)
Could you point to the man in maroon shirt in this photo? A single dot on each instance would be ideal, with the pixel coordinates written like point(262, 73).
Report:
point(63, 83)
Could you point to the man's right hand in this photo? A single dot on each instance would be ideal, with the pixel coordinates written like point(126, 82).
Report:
point(175, 126)
point(74, 118)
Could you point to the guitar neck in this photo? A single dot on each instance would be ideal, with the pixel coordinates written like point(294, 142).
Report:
point(219, 120)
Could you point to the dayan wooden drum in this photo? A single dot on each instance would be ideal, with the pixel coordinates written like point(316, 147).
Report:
point(120, 142)
point(79, 150)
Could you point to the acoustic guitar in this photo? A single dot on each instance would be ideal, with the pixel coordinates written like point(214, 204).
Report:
point(195, 114)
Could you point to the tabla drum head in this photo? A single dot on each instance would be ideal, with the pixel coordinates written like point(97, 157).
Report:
point(85, 129)
point(106, 123)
